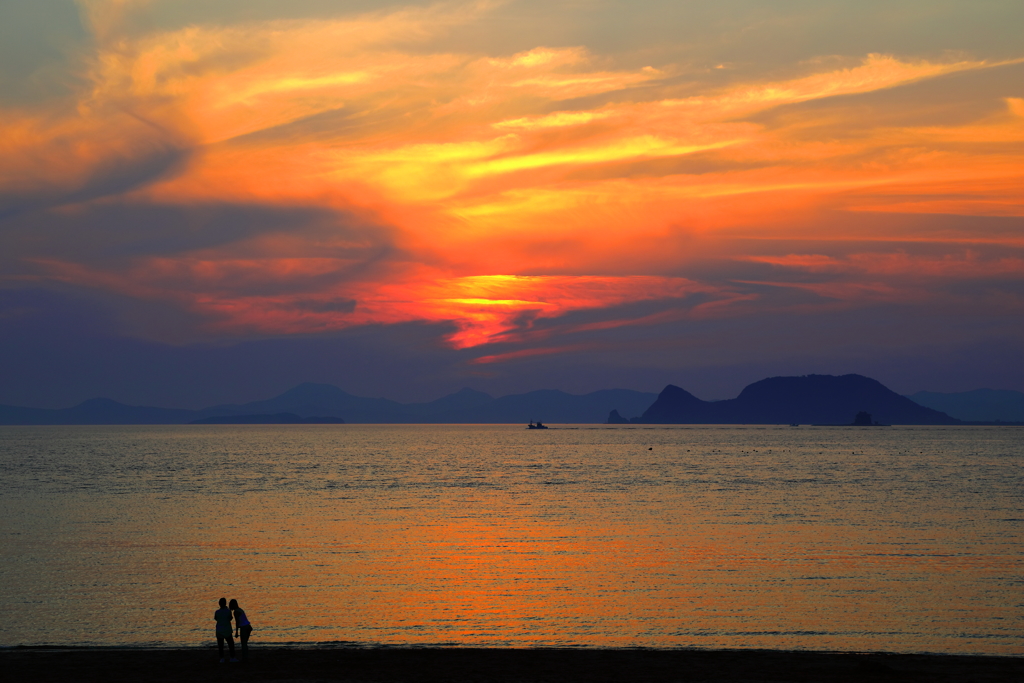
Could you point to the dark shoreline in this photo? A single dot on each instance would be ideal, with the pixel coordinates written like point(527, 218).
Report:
point(395, 665)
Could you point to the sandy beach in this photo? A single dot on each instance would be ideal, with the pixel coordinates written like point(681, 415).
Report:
point(310, 664)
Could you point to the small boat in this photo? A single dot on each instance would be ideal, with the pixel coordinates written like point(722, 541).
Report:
point(538, 425)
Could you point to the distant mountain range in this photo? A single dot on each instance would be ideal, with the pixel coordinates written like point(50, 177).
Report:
point(267, 419)
point(321, 401)
point(813, 399)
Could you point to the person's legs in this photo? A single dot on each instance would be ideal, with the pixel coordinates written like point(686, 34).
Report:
point(220, 646)
point(231, 647)
point(245, 631)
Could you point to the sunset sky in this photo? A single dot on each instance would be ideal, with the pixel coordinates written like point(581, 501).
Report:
point(211, 201)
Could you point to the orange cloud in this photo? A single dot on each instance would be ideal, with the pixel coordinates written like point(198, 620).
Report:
point(516, 187)
point(525, 353)
point(966, 265)
point(232, 295)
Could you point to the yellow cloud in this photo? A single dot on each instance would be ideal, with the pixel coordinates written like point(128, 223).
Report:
point(557, 120)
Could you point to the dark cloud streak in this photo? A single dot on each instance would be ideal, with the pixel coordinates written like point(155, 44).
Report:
point(111, 177)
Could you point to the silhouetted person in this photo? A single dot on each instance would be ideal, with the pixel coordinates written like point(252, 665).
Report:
point(242, 627)
point(223, 619)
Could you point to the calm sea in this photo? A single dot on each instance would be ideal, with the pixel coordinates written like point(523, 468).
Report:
point(906, 539)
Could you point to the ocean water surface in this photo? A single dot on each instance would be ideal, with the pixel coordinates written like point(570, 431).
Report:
point(906, 539)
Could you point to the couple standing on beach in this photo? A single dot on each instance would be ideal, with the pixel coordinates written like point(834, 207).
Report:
point(223, 617)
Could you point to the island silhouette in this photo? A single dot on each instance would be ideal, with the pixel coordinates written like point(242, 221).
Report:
point(810, 399)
